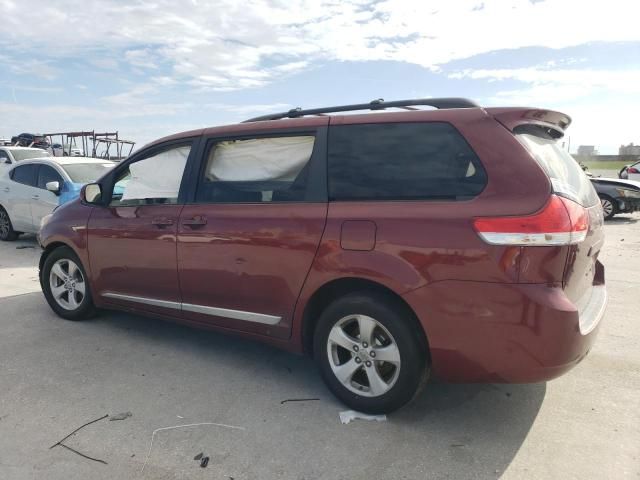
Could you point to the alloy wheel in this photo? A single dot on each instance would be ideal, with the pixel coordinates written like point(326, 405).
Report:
point(363, 355)
point(67, 284)
point(607, 207)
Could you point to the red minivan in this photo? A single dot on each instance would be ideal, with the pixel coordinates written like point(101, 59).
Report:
point(456, 242)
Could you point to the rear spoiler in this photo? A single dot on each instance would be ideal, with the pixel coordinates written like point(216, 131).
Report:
point(554, 122)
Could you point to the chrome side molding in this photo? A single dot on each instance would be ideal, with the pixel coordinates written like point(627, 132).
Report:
point(189, 307)
point(147, 301)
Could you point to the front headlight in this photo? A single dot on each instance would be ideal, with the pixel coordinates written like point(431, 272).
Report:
point(627, 193)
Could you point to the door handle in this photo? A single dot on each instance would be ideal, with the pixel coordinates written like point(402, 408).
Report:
point(36, 197)
point(197, 221)
point(6, 189)
point(162, 221)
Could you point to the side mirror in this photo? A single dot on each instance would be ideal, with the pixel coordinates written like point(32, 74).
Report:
point(53, 187)
point(7, 161)
point(91, 193)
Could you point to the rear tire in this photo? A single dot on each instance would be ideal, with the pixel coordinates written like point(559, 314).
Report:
point(65, 285)
point(609, 206)
point(7, 233)
point(369, 353)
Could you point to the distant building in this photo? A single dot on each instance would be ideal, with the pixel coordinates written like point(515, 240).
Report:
point(630, 149)
point(587, 151)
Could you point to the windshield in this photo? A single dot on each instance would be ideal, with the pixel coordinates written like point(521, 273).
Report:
point(28, 154)
point(567, 177)
point(86, 172)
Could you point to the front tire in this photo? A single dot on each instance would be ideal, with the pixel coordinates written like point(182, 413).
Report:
point(7, 233)
point(370, 354)
point(65, 285)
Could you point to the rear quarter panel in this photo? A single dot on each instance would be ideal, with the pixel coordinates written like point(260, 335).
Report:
point(423, 242)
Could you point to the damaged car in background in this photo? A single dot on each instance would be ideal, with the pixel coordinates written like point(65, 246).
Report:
point(617, 195)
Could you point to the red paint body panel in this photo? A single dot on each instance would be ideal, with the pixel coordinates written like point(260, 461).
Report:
point(492, 332)
point(249, 257)
point(132, 256)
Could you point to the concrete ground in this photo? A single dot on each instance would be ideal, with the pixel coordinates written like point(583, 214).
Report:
point(56, 375)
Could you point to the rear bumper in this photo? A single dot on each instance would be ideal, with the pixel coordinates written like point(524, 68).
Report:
point(511, 333)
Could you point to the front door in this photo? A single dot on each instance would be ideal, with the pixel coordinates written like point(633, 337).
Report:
point(132, 240)
point(44, 201)
point(20, 192)
point(247, 240)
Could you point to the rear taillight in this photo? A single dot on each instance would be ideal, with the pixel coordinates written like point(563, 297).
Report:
point(632, 170)
point(560, 222)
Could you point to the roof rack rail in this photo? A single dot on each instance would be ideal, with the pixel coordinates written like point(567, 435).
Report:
point(378, 104)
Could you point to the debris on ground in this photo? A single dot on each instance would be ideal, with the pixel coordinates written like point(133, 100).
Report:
point(157, 430)
point(120, 416)
point(22, 247)
point(204, 462)
point(77, 430)
point(348, 416)
point(82, 454)
point(198, 456)
point(60, 442)
point(299, 400)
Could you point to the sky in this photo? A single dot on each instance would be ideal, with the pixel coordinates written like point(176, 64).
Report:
point(149, 68)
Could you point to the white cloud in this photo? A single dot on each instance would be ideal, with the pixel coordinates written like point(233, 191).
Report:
point(560, 85)
point(230, 44)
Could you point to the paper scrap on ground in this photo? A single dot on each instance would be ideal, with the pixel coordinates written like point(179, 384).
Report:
point(348, 415)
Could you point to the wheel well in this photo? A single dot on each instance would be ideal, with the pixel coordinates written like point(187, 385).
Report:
point(47, 251)
point(335, 289)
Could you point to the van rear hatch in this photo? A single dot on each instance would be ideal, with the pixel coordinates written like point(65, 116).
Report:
point(582, 270)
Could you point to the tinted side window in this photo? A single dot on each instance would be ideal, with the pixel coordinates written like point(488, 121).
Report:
point(25, 174)
point(255, 170)
point(402, 161)
point(47, 174)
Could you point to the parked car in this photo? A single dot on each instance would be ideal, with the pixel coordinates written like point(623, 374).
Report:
point(32, 189)
point(10, 155)
point(72, 151)
point(4, 141)
point(630, 172)
point(460, 243)
point(30, 140)
point(617, 196)
point(57, 150)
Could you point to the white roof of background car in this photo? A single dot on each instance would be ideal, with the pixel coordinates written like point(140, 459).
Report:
point(72, 160)
point(63, 161)
point(15, 147)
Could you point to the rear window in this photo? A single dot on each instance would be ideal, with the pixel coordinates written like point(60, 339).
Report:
point(86, 172)
point(402, 161)
point(567, 177)
point(28, 154)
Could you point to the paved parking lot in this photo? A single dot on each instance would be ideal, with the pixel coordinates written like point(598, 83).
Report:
point(56, 375)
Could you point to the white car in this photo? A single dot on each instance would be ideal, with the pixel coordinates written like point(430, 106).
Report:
point(10, 155)
point(32, 189)
point(631, 172)
point(72, 151)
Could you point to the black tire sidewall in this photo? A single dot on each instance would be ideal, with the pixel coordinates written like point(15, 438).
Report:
point(12, 235)
point(413, 357)
point(86, 308)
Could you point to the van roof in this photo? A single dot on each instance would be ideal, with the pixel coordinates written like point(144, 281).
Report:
point(443, 109)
